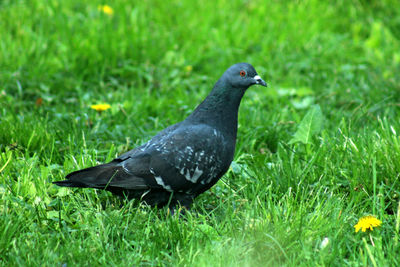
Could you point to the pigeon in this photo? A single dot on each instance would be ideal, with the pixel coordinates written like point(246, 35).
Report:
point(183, 160)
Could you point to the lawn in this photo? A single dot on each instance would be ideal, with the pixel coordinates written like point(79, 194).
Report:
point(287, 200)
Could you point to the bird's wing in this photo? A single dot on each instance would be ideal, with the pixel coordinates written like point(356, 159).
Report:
point(189, 158)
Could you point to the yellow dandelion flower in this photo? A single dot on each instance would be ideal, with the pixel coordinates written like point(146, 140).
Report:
point(367, 222)
point(106, 9)
point(189, 68)
point(100, 107)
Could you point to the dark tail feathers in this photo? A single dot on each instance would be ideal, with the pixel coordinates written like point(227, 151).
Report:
point(68, 183)
point(94, 177)
point(102, 177)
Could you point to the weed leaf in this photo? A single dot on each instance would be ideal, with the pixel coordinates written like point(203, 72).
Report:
point(309, 126)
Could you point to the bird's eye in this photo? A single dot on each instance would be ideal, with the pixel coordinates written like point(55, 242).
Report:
point(242, 73)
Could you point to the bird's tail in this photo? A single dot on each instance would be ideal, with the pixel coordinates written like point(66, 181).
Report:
point(68, 183)
point(95, 177)
point(103, 176)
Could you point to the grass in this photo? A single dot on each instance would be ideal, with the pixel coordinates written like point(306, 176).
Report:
point(153, 62)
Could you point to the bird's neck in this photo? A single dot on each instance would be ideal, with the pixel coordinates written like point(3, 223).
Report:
point(220, 109)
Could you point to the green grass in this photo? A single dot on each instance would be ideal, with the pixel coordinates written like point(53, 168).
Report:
point(276, 204)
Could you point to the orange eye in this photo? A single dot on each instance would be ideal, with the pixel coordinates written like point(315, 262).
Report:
point(242, 73)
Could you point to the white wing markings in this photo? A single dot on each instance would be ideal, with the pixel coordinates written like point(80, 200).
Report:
point(160, 181)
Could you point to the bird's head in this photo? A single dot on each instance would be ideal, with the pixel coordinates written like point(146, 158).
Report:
point(242, 75)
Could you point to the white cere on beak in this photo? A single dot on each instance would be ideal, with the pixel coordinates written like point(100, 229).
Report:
point(259, 80)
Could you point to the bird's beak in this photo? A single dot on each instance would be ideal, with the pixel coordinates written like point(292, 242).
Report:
point(259, 81)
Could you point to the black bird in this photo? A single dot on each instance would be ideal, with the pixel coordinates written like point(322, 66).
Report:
point(183, 160)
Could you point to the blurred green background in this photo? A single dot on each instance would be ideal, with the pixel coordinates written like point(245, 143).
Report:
point(153, 62)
